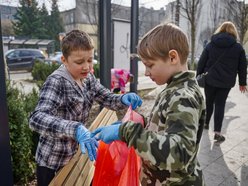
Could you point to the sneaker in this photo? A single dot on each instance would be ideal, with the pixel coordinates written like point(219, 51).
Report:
point(219, 138)
point(206, 126)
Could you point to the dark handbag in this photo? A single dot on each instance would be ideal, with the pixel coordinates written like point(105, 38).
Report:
point(201, 78)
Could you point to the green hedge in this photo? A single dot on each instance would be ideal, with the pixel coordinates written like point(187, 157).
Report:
point(23, 141)
point(20, 136)
point(97, 70)
point(41, 71)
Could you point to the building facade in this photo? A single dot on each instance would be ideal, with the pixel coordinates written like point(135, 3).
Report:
point(7, 12)
point(85, 17)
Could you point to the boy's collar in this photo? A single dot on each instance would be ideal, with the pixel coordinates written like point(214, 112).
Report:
point(181, 76)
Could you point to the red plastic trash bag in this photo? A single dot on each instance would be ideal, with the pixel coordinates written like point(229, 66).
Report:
point(116, 164)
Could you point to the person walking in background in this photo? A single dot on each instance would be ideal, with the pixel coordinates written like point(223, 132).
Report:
point(169, 143)
point(64, 105)
point(228, 59)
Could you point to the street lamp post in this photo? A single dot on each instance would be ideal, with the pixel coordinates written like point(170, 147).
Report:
point(134, 42)
point(105, 44)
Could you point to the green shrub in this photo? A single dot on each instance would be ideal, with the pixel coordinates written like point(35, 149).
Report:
point(20, 137)
point(23, 141)
point(30, 102)
point(41, 71)
point(97, 70)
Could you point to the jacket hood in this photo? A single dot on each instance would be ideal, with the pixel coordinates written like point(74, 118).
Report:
point(62, 71)
point(223, 40)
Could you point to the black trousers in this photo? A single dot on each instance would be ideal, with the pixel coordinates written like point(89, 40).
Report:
point(216, 101)
point(44, 175)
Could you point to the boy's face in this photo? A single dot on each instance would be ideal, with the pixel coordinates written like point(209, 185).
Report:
point(160, 71)
point(79, 63)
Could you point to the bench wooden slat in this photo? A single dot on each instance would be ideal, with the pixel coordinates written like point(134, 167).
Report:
point(63, 173)
point(89, 176)
point(73, 172)
point(99, 119)
point(84, 164)
point(80, 169)
point(84, 174)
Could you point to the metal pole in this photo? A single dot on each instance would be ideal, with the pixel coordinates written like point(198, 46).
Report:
point(6, 175)
point(105, 42)
point(134, 43)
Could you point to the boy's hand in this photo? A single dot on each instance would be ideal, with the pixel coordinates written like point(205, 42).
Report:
point(85, 141)
point(108, 133)
point(131, 99)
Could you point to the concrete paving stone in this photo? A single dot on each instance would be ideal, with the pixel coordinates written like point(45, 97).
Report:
point(205, 141)
point(226, 145)
point(237, 136)
point(205, 160)
point(220, 172)
point(232, 139)
point(234, 126)
point(231, 123)
point(230, 162)
point(215, 151)
point(243, 121)
point(208, 143)
point(205, 145)
point(240, 178)
point(244, 127)
point(212, 179)
point(239, 157)
point(231, 181)
point(242, 147)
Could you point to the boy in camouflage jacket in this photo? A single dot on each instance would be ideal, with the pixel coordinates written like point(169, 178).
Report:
point(169, 143)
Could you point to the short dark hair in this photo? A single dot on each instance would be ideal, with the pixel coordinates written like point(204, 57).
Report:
point(76, 40)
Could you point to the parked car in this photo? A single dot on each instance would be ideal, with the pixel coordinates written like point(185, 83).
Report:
point(54, 59)
point(23, 58)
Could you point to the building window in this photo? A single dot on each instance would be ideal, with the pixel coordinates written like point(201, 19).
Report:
point(71, 18)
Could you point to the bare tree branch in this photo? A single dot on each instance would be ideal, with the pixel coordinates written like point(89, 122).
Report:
point(190, 9)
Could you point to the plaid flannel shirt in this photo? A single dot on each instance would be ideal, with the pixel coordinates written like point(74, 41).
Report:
point(62, 107)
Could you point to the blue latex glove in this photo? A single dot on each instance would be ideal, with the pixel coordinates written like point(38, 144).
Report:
point(131, 99)
point(86, 141)
point(107, 133)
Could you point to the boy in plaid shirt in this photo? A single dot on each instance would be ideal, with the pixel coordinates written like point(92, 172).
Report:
point(64, 104)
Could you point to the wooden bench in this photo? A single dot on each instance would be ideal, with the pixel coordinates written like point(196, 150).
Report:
point(80, 170)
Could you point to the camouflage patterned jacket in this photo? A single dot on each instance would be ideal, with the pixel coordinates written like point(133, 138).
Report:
point(169, 144)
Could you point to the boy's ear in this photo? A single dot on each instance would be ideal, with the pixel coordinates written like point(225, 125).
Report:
point(63, 59)
point(174, 57)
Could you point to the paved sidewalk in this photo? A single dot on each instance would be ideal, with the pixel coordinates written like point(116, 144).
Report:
point(226, 164)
